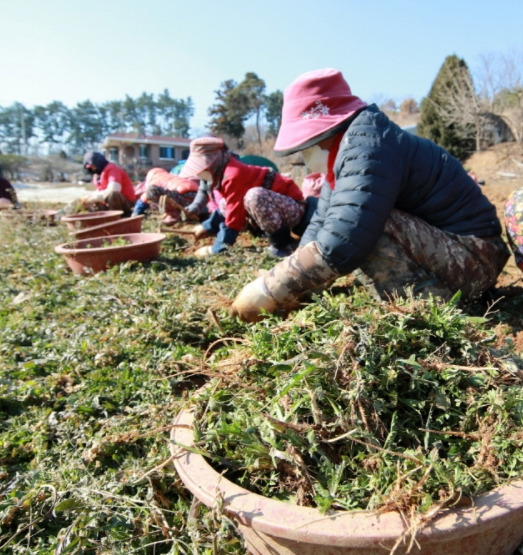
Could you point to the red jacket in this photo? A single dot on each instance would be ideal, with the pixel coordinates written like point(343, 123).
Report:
point(162, 178)
point(112, 172)
point(238, 178)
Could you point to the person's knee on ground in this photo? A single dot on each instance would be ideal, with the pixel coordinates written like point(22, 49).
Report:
point(463, 263)
point(388, 271)
point(278, 233)
point(116, 201)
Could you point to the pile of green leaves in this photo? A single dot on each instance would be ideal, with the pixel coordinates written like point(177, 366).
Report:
point(92, 375)
point(93, 371)
point(358, 404)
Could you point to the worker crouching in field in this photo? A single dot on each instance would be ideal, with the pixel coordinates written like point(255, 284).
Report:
point(8, 196)
point(114, 187)
point(267, 200)
point(178, 193)
point(395, 209)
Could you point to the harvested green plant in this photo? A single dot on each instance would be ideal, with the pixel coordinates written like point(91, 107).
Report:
point(358, 404)
point(118, 242)
point(93, 371)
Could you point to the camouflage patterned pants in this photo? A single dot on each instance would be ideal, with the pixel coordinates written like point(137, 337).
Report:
point(411, 252)
point(154, 192)
point(116, 201)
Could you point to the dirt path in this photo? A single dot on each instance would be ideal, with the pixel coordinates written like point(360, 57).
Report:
point(50, 192)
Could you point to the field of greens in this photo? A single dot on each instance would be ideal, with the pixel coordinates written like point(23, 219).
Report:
point(93, 371)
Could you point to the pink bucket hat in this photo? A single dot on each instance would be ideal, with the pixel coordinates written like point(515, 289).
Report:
point(203, 152)
point(315, 103)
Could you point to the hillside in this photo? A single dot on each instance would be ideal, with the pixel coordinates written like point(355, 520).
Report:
point(501, 167)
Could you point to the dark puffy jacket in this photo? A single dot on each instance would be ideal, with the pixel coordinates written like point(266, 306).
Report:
point(380, 167)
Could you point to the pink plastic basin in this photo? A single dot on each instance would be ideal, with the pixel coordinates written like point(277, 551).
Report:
point(493, 526)
point(123, 225)
point(90, 219)
point(90, 256)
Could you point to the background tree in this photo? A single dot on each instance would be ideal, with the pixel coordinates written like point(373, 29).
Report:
point(229, 112)
point(501, 86)
point(389, 106)
point(182, 112)
point(253, 88)
point(134, 115)
point(52, 123)
point(174, 114)
point(273, 108)
point(439, 120)
point(113, 116)
point(11, 165)
point(462, 108)
point(165, 105)
point(147, 109)
point(85, 127)
point(409, 106)
point(16, 128)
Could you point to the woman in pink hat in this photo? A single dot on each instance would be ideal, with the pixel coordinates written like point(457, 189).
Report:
point(395, 209)
point(267, 200)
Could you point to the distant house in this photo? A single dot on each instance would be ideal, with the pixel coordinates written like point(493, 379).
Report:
point(139, 153)
point(495, 130)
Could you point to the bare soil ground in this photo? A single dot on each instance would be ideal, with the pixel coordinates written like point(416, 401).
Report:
point(502, 169)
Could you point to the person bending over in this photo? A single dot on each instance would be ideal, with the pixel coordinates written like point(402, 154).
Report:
point(395, 209)
point(114, 188)
point(256, 196)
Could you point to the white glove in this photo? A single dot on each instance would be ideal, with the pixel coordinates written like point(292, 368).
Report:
point(97, 197)
point(203, 252)
point(113, 187)
point(250, 300)
point(283, 286)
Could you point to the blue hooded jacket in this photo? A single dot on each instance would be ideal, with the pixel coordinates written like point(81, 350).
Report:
point(379, 167)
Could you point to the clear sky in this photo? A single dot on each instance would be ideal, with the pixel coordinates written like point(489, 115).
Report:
point(101, 50)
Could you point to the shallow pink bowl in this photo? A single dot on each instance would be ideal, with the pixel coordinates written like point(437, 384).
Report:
point(123, 225)
point(90, 219)
point(90, 256)
point(493, 526)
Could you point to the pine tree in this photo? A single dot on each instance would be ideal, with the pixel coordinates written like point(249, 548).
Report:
point(443, 112)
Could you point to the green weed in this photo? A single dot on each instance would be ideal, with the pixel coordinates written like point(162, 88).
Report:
point(349, 403)
point(358, 404)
